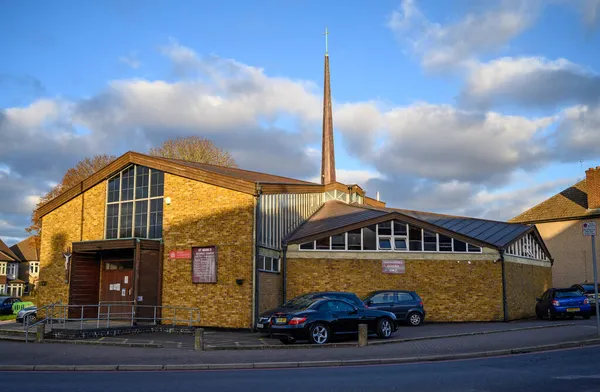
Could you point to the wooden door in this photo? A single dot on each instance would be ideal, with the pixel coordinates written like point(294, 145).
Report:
point(117, 290)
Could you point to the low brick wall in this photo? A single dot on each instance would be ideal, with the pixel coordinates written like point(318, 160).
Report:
point(524, 283)
point(73, 334)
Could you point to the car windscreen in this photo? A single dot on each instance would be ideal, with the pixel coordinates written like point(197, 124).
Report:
point(299, 302)
point(567, 294)
point(364, 298)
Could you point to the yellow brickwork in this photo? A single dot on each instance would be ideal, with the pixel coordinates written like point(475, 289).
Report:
point(451, 291)
point(203, 215)
point(94, 212)
point(523, 284)
point(270, 287)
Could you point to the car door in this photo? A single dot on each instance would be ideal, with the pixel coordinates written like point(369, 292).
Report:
point(383, 301)
point(6, 307)
point(544, 304)
point(403, 302)
point(344, 317)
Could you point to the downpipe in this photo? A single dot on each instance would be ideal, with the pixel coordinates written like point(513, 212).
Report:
point(504, 299)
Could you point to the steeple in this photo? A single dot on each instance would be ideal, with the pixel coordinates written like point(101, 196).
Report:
point(327, 154)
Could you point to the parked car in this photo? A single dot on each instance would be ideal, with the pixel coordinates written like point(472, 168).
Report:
point(28, 315)
point(6, 304)
point(568, 302)
point(406, 305)
point(588, 290)
point(301, 301)
point(318, 320)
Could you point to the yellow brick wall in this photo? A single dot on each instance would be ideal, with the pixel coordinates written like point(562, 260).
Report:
point(200, 215)
point(62, 227)
point(270, 287)
point(451, 291)
point(524, 283)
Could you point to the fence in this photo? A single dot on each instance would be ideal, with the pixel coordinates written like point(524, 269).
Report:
point(103, 314)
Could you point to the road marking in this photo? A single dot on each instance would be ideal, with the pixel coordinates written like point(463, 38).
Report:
point(102, 338)
point(179, 344)
point(575, 377)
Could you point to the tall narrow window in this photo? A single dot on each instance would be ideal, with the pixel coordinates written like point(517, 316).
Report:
point(415, 235)
point(141, 182)
point(127, 181)
point(429, 241)
point(355, 239)
point(112, 221)
point(370, 238)
point(157, 183)
point(460, 246)
point(399, 228)
point(384, 228)
point(126, 220)
point(445, 243)
point(141, 219)
point(114, 186)
point(338, 241)
point(156, 218)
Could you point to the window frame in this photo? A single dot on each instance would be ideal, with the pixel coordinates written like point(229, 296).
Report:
point(274, 261)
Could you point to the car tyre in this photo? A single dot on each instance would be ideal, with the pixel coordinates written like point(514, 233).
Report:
point(29, 319)
point(384, 328)
point(551, 315)
point(586, 316)
point(318, 333)
point(415, 319)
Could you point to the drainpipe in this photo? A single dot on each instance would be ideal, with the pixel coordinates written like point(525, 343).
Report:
point(257, 229)
point(504, 299)
point(284, 272)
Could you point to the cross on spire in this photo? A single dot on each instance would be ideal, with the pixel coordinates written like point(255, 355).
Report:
point(326, 34)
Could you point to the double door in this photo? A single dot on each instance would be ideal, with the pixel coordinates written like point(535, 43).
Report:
point(116, 295)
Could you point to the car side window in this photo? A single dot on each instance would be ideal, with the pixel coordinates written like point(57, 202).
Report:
point(340, 306)
point(8, 302)
point(403, 297)
point(382, 298)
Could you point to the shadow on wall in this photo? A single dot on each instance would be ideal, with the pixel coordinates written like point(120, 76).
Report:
point(51, 286)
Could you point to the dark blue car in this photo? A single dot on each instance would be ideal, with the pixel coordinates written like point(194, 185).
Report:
point(6, 304)
point(406, 305)
point(563, 303)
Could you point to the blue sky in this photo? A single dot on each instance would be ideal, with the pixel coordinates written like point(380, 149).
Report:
point(470, 107)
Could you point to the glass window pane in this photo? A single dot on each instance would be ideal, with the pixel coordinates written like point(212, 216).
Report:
point(141, 219)
point(113, 189)
point(268, 263)
point(445, 243)
point(308, 245)
point(370, 238)
point(276, 265)
point(385, 228)
point(459, 246)
point(127, 184)
point(323, 243)
point(354, 239)
point(399, 228)
point(141, 182)
point(112, 221)
point(429, 241)
point(338, 242)
point(156, 218)
point(385, 243)
point(415, 239)
point(400, 244)
point(157, 183)
point(473, 248)
point(126, 220)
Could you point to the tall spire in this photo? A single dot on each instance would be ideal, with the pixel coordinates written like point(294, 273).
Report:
point(327, 154)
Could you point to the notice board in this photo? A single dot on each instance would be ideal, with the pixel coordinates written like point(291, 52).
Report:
point(393, 266)
point(204, 264)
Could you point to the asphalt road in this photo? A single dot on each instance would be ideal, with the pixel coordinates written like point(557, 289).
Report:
point(575, 369)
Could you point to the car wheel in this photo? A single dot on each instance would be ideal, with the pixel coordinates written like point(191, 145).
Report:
point(30, 318)
point(586, 316)
point(415, 319)
point(551, 315)
point(318, 333)
point(384, 328)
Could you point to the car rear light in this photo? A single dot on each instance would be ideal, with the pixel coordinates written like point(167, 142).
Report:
point(585, 301)
point(421, 304)
point(555, 302)
point(297, 320)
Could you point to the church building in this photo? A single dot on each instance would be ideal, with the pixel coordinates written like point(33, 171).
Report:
point(153, 231)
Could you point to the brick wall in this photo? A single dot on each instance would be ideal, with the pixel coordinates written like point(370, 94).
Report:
point(523, 284)
point(270, 289)
point(62, 227)
point(201, 215)
point(451, 290)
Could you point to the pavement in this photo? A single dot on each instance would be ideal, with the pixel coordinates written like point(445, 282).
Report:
point(434, 348)
point(565, 370)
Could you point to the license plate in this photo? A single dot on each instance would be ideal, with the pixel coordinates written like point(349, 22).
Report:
point(280, 320)
point(260, 325)
point(572, 309)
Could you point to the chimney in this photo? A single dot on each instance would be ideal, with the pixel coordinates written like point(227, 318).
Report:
point(327, 153)
point(592, 181)
point(377, 195)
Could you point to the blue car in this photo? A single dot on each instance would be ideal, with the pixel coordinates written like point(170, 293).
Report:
point(563, 303)
point(6, 304)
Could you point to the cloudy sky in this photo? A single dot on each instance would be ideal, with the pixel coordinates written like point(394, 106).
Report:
point(476, 107)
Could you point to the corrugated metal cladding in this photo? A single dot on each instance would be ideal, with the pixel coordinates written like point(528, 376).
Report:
point(283, 213)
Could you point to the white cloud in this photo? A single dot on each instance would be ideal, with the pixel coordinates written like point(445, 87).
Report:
point(442, 47)
point(131, 60)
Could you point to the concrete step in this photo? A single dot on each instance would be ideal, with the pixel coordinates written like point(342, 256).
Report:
point(17, 338)
point(15, 332)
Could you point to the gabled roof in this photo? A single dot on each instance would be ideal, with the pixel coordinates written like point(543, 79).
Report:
point(571, 203)
point(336, 217)
point(26, 250)
point(6, 254)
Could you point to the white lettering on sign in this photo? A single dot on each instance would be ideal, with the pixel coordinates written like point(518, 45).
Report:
point(126, 279)
point(393, 266)
point(589, 228)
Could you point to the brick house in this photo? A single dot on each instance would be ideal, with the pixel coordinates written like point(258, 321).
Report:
point(10, 284)
point(559, 220)
point(29, 255)
point(233, 242)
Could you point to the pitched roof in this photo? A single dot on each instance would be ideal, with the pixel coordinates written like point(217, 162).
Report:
point(26, 250)
point(571, 203)
point(6, 254)
point(334, 217)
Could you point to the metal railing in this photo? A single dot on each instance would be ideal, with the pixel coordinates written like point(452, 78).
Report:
point(102, 314)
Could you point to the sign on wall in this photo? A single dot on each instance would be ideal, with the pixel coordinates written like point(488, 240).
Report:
point(393, 266)
point(589, 228)
point(180, 254)
point(204, 264)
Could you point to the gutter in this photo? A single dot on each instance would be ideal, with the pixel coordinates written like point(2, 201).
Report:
point(504, 299)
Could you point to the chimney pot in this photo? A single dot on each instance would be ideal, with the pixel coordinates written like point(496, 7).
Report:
point(377, 195)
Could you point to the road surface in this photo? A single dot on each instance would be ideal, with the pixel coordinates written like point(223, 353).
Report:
point(575, 369)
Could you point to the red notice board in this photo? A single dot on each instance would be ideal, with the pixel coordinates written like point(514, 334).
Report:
point(204, 264)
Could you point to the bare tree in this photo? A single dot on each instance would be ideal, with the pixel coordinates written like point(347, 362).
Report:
point(195, 149)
